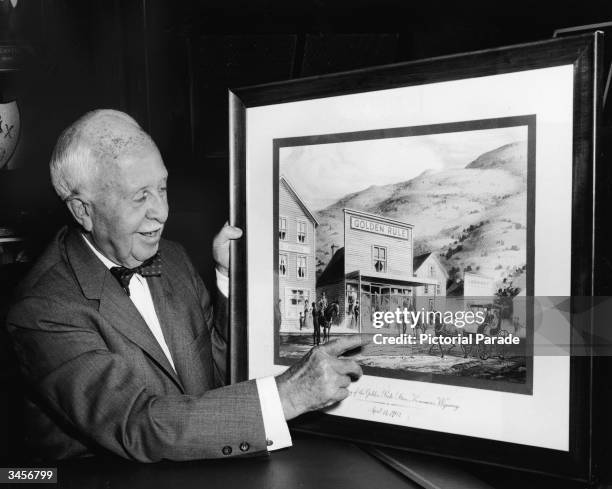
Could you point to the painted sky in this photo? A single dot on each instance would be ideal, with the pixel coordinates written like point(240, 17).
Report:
point(324, 173)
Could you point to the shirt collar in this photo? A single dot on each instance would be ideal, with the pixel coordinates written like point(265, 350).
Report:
point(107, 263)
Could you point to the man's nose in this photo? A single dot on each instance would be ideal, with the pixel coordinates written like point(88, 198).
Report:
point(158, 208)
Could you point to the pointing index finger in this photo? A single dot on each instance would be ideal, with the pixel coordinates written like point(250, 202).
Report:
point(338, 346)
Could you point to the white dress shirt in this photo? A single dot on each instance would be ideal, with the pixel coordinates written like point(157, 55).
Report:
point(275, 426)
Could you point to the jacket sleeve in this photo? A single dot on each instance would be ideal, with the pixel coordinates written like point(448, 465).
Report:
point(66, 362)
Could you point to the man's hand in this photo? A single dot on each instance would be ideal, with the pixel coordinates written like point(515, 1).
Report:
point(320, 378)
point(221, 246)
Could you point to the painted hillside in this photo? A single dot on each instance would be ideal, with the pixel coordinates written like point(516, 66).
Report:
point(473, 217)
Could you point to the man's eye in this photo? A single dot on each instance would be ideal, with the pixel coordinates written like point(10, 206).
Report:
point(142, 196)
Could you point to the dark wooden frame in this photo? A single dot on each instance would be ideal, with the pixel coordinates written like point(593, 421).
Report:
point(584, 52)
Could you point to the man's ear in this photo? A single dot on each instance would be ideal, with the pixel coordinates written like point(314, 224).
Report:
point(81, 211)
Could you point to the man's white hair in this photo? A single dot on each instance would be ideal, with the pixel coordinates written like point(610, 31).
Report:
point(98, 138)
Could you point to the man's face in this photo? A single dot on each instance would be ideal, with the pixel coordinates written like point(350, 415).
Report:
point(130, 208)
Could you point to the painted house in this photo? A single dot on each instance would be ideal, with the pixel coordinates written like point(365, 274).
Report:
point(477, 285)
point(296, 256)
point(428, 266)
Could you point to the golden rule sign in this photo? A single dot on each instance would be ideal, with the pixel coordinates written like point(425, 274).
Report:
point(379, 228)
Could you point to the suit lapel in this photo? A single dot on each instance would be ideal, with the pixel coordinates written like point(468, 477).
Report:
point(97, 282)
point(117, 307)
point(170, 320)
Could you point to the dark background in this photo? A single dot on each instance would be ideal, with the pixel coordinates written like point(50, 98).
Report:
point(169, 64)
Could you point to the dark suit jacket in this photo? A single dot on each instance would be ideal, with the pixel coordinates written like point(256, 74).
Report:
point(98, 378)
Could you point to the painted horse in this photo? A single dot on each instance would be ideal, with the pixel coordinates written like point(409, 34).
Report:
point(491, 326)
point(443, 330)
point(327, 318)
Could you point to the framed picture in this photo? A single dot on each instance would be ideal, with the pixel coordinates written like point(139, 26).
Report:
point(379, 201)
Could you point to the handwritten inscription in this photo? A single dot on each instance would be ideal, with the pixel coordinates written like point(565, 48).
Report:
point(386, 412)
point(390, 403)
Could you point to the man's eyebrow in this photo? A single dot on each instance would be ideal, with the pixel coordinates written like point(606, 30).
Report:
point(144, 187)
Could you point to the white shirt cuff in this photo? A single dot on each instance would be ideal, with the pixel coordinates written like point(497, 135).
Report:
point(222, 283)
point(275, 426)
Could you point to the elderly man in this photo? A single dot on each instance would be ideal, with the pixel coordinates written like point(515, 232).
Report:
point(115, 330)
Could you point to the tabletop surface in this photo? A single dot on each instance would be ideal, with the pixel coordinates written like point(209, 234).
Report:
point(313, 462)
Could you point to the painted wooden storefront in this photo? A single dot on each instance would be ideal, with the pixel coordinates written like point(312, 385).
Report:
point(372, 272)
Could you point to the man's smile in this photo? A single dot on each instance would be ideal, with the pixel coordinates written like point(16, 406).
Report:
point(152, 234)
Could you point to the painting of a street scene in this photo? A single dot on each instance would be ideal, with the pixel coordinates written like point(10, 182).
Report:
point(433, 219)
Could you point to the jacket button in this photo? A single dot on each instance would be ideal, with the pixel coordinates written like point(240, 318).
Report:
point(227, 450)
point(269, 443)
point(244, 446)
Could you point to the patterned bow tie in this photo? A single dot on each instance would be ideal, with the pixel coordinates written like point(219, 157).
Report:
point(149, 268)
